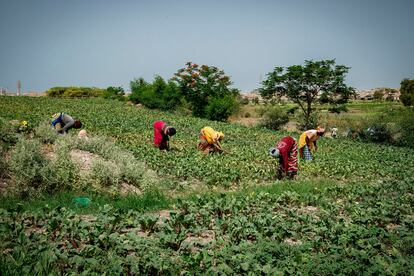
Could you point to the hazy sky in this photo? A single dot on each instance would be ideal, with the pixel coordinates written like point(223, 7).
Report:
point(46, 43)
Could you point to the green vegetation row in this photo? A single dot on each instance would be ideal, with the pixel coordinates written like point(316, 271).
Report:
point(348, 229)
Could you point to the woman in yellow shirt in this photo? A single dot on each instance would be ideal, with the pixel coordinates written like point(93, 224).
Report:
point(209, 140)
point(307, 142)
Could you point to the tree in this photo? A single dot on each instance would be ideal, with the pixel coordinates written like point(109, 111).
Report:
point(304, 84)
point(158, 94)
point(205, 85)
point(113, 92)
point(378, 95)
point(407, 92)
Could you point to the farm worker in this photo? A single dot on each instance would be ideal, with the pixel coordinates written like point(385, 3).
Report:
point(162, 132)
point(287, 152)
point(307, 142)
point(62, 122)
point(210, 140)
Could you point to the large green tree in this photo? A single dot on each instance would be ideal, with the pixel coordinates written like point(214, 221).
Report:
point(208, 91)
point(407, 92)
point(303, 84)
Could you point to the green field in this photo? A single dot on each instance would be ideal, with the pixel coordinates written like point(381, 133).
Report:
point(350, 211)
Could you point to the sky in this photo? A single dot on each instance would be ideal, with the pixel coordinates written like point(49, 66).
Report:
point(47, 43)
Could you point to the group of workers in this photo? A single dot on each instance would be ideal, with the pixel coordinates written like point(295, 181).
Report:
point(285, 150)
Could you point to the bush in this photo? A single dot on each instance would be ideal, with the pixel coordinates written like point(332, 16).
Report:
point(220, 109)
point(405, 128)
point(407, 92)
point(378, 132)
point(105, 173)
point(45, 133)
point(159, 94)
point(275, 118)
point(8, 134)
point(61, 173)
point(3, 163)
point(27, 166)
point(338, 109)
point(292, 110)
point(74, 92)
point(114, 93)
point(200, 85)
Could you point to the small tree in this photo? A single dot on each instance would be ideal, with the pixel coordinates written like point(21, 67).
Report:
point(114, 93)
point(407, 92)
point(378, 95)
point(303, 84)
point(158, 94)
point(202, 84)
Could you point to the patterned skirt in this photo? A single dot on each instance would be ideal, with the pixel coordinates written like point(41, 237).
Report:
point(293, 160)
point(306, 153)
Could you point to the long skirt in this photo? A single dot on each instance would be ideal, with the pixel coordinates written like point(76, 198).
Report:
point(293, 160)
point(306, 153)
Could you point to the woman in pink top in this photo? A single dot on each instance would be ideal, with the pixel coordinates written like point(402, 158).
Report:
point(162, 132)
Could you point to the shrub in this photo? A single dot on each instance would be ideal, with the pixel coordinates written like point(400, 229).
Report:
point(275, 118)
point(338, 109)
point(292, 110)
point(114, 93)
point(3, 163)
point(159, 94)
point(404, 124)
point(220, 109)
point(407, 92)
point(8, 133)
point(105, 173)
point(202, 84)
point(378, 132)
point(61, 173)
point(27, 166)
point(45, 133)
point(74, 92)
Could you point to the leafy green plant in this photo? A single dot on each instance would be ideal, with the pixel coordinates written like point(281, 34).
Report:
point(114, 93)
point(45, 132)
point(27, 164)
point(275, 118)
point(202, 84)
point(220, 109)
point(158, 94)
point(75, 92)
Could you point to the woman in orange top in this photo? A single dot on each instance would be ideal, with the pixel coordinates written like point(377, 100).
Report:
point(209, 140)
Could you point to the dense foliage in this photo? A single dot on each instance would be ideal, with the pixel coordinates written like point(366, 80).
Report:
point(75, 92)
point(159, 94)
point(303, 84)
point(207, 89)
point(114, 93)
point(407, 92)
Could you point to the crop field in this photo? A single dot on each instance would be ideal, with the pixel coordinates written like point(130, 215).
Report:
point(349, 212)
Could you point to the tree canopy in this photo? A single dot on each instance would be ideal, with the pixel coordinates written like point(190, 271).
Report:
point(303, 84)
point(208, 91)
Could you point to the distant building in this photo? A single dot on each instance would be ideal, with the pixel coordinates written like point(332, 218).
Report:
point(390, 94)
